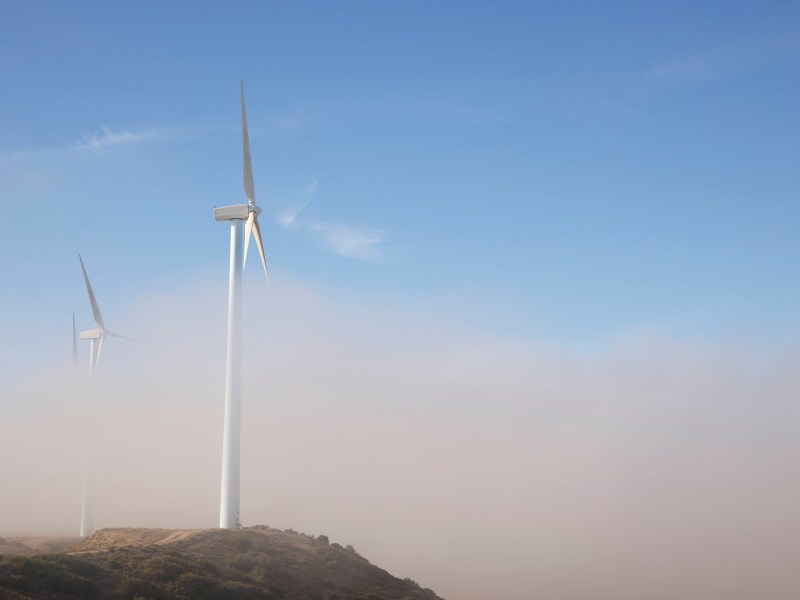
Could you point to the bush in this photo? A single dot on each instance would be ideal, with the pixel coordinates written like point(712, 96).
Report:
point(243, 543)
point(133, 587)
point(162, 569)
point(199, 587)
point(56, 574)
point(243, 563)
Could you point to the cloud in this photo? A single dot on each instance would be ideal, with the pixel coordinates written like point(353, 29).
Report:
point(287, 218)
point(690, 68)
point(352, 242)
point(344, 240)
point(95, 141)
point(106, 138)
point(723, 61)
point(290, 121)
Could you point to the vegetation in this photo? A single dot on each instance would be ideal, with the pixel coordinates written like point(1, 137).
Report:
point(48, 574)
point(257, 563)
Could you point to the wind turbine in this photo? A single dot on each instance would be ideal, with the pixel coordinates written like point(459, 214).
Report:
point(241, 216)
point(96, 339)
point(96, 336)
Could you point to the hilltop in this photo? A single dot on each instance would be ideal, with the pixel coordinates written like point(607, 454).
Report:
point(164, 564)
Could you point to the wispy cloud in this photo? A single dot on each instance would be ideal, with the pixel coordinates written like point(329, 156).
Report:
point(94, 142)
point(288, 217)
point(724, 60)
point(106, 137)
point(353, 242)
point(345, 240)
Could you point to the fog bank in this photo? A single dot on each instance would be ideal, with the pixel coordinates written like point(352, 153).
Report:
point(478, 465)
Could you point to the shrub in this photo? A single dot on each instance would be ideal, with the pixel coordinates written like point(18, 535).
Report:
point(197, 587)
point(243, 563)
point(243, 543)
point(51, 573)
point(133, 587)
point(162, 569)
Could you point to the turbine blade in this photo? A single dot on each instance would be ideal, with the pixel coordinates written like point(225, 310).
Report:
point(249, 188)
point(119, 335)
point(98, 318)
point(74, 344)
point(99, 351)
point(248, 228)
point(260, 244)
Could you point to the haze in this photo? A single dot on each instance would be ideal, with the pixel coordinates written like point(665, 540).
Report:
point(479, 465)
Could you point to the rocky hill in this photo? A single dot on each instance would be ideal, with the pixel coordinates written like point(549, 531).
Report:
point(164, 564)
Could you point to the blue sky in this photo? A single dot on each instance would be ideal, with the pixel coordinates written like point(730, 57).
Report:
point(567, 172)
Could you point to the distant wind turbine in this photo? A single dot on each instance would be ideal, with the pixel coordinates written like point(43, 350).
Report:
point(96, 339)
point(97, 336)
point(240, 215)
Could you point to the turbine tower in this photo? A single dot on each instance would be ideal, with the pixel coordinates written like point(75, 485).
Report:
point(75, 363)
point(241, 216)
point(96, 339)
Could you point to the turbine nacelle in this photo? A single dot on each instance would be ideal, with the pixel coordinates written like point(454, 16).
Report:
point(235, 212)
point(92, 334)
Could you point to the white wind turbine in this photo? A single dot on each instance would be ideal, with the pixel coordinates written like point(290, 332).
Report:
point(241, 216)
point(96, 339)
point(96, 336)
